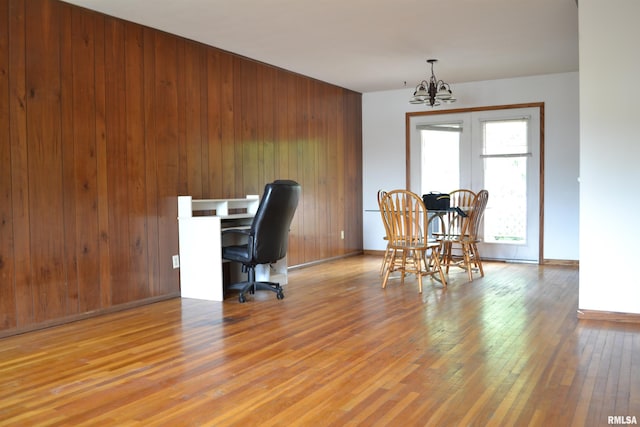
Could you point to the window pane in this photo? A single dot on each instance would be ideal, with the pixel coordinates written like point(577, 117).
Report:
point(444, 174)
point(505, 219)
point(505, 137)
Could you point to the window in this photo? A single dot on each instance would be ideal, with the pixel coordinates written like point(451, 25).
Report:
point(505, 154)
point(441, 142)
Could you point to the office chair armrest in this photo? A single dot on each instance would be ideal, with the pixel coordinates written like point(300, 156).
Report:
point(243, 231)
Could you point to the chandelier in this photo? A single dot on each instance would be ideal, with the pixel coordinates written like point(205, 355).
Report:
point(433, 91)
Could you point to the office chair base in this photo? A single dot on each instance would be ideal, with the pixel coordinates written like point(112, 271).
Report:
point(251, 287)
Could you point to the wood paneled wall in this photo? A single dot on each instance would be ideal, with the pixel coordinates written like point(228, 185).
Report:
point(104, 122)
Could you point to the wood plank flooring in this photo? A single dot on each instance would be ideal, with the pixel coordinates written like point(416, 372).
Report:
point(504, 350)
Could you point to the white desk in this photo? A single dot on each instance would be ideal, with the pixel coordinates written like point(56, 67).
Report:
point(200, 241)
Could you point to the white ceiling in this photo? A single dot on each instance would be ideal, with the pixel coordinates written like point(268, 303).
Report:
point(372, 45)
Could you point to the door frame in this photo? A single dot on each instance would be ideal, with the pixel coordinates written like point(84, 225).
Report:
point(539, 105)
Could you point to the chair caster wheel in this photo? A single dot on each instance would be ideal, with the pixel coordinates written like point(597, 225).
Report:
point(242, 298)
point(280, 295)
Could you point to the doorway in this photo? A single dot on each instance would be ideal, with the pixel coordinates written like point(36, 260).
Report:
point(499, 149)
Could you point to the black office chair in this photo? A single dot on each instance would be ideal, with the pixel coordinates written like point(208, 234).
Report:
point(268, 236)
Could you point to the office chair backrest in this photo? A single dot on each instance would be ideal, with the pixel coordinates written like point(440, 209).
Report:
point(270, 227)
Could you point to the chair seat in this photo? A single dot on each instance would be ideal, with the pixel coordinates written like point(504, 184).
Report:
point(457, 238)
point(238, 253)
point(416, 245)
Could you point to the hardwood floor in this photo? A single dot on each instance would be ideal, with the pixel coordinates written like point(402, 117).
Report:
point(506, 349)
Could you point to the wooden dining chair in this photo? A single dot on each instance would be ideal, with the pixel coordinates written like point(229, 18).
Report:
point(408, 242)
point(466, 241)
point(385, 223)
point(451, 223)
point(464, 200)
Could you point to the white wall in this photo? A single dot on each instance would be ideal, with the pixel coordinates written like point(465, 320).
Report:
point(383, 127)
point(609, 153)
